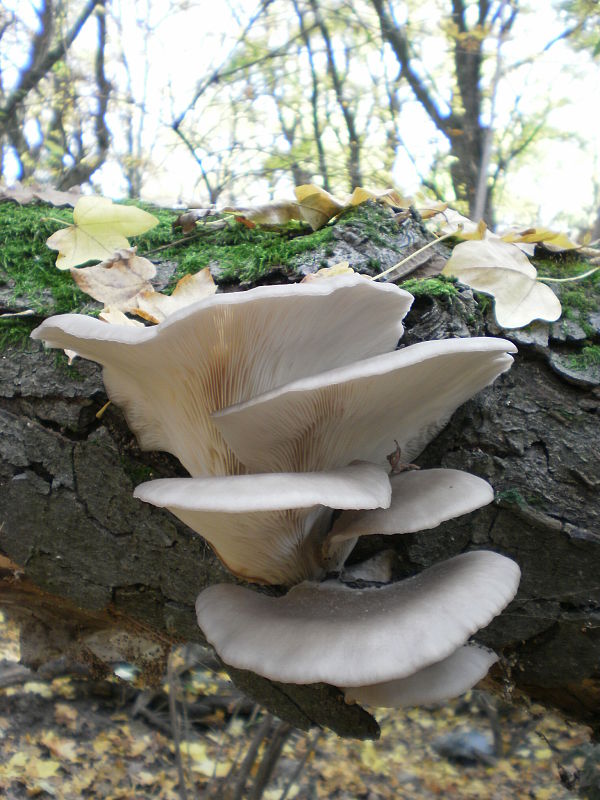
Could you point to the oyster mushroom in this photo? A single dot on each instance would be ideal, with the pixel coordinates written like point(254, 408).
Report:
point(328, 632)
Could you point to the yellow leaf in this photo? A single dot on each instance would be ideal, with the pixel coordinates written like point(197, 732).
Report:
point(65, 749)
point(117, 279)
point(388, 197)
point(316, 205)
point(341, 268)
point(99, 229)
point(502, 270)
point(44, 768)
point(115, 317)
point(555, 241)
point(201, 761)
point(156, 307)
point(65, 715)
point(278, 213)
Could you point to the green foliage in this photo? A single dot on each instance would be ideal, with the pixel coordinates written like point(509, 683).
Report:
point(440, 286)
point(588, 357)
point(26, 263)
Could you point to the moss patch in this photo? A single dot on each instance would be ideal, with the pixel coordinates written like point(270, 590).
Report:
point(440, 286)
point(588, 357)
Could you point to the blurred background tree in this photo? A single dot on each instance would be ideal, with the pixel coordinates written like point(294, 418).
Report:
point(475, 101)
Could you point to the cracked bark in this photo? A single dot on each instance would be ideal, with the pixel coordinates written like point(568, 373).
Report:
point(78, 555)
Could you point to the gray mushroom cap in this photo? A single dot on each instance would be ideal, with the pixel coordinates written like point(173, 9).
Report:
point(421, 500)
point(436, 683)
point(347, 637)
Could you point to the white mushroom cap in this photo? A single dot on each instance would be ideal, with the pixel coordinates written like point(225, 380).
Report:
point(444, 680)
point(269, 528)
point(356, 411)
point(357, 637)
point(226, 349)
point(421, 500)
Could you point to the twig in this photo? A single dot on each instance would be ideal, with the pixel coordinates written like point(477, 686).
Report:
point(250, 757)
point(175, 727)
point(312, 745)
point(568, 280)
point(269, 759)
point(412, 255)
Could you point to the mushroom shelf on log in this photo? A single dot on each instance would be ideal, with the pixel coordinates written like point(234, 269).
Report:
point(81, 559)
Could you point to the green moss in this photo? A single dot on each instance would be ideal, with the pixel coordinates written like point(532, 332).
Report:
point(248, 254)
point(441, 286)
point(373, 220)
point(588, 357)
point(511, 497)
point(139, 473)
point(15, 333)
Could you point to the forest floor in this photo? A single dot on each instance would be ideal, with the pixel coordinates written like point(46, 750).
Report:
point(70, 738)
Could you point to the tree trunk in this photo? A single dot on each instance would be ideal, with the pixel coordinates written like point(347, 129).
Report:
point(80, 559)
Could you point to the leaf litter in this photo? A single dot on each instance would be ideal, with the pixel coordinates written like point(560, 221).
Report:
point(73, 739)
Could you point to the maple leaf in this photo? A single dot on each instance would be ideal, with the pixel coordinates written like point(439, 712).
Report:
point(500, 269)
point(99, 229)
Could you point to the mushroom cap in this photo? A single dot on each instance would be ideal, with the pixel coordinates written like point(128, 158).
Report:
point(226, 349)
point(421, 499)
point(441, 681)
point(356, 411)
point(356, 637)
point(269, 528)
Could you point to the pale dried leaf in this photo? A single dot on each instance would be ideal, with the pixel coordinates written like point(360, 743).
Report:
point(316, 205)
point(557, 242)
point(46, 194)
point(503, 271)
point(341, 268)
point(156, 307)
point(116, 317)
point(187, 221)
point(115, 281)
point(278, 213)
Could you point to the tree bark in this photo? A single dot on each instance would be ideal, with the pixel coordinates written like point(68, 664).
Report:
point(81, 560)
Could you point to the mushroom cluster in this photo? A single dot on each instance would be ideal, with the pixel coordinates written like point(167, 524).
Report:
point(284, 403)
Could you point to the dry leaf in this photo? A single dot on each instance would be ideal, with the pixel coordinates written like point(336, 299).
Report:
point(317, 206)
point(187, 221)
point(550, 239)
point(502, 270)
point(99, 229)
point(46, 194)
point(278, 213)
point(155, 306)
point(388, 197)
point(449, 222)
point(115, 281)
point(341, 268)
point(115, 317)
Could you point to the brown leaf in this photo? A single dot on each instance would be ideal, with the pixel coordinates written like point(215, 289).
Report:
point(278, 213)
point(187, 221)
point(156, 307)
point(341, 268)
point(27, 194)
point(117, 280)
